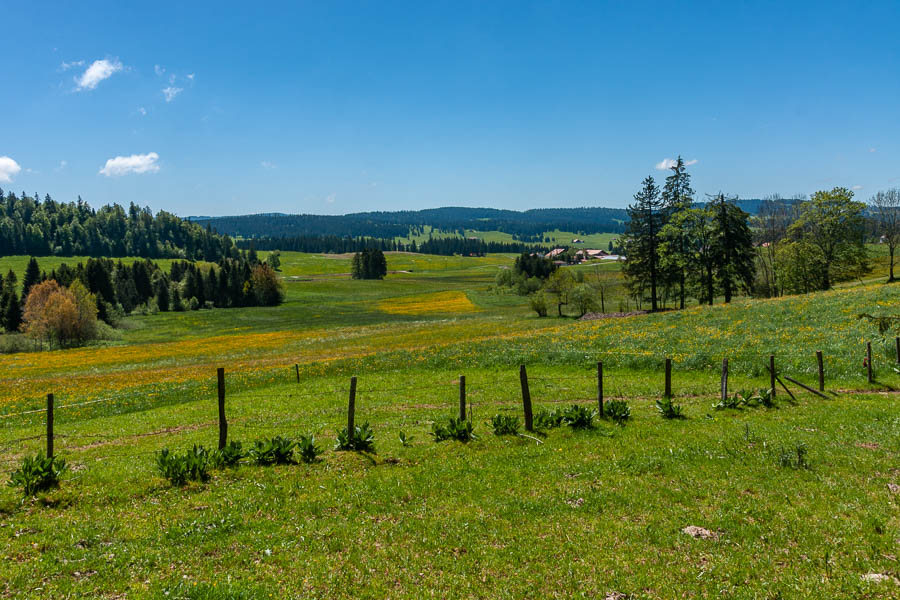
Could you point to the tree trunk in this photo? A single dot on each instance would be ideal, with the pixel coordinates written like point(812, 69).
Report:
point(891, 253)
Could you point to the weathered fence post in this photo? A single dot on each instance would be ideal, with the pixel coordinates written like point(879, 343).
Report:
point(821, 364)
point(297, 370)
point(724, 379)
point(526, 398)
point(49, 425)
point(772, 374)
point(869, 361)
point(223, 424)
point(462, 397)
point(898, 349)
point(351, 409)
point(668, 393)
point(600, 386)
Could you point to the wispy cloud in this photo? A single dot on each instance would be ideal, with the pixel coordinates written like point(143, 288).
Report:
point(97, 72)
point(142, 111)
point(136, 163)
point(856, 188)
point(62, 165)
point(268, 165)
point(65, 66)
point(190, 76)
point(8, 169)
point(331, 198)
point(667, 163)
point(171, 91)
point(872, 150)
point(158, 69)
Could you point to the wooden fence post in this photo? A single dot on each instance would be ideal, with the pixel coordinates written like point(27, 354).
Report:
point(462, 397)
point(898, 349)
point(351, 409)
point(668, 393)
point(49, 425)
point(724, 379)
point(772, 374)
point(821, 364)
point(297, 370)
point(223, 424)
point(526, 398)
point(600, 386)
point(869, 361)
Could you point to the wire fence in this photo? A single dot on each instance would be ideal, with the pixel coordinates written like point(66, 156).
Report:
point(243, 411)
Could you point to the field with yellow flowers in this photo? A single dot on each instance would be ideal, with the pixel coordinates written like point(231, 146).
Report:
point(757, 497)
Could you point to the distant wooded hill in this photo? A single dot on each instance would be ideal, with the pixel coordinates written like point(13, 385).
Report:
point(526, 226)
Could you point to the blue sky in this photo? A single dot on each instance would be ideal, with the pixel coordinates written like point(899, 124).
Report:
point(333, 107)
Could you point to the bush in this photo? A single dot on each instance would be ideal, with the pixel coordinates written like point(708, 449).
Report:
point(579, 417)
point(229, 456)
point(193, 465)
point(668, 409)
point(548, 419)
point(539, 304)
point(274, 451)
point(505, 425)
point(617, 410)
point(455, 429)
point(306, 446)
point(362, 440)
point(38, 473)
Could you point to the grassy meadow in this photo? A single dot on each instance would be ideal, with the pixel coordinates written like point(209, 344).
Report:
point(567, 514)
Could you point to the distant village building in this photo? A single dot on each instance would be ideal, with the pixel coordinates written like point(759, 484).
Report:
point(554, 253)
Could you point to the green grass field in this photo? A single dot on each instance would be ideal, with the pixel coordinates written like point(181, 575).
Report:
point(568, 514)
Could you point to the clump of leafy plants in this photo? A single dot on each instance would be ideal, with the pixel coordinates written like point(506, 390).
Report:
point(618, 411)
point(405, 440)
point(229, 456)
point(273, 451)
point(454, 429)
point(193, 465)
point(505, 424)
point(749, 398)
point(548, 419)
point(579, 417)
point(307, 449)
point(38, 473)
point(362, 439)
point(668, 409)
point(794, 458)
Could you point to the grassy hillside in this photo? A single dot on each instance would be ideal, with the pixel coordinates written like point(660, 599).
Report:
point(492, 518)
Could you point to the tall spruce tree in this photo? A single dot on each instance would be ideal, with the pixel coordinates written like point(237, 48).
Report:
point(732, 245)
point(642, 239)
point(678, 196)
point(32, 277)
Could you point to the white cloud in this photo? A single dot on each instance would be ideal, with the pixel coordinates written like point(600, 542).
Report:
point(268, 165)
point(62, 165)
point(856, 188)
point(330, 199)
point(65, 66)
point(190, 76)
point(158, 69)
point(97, 72)
point(170, 92)
point(142, 110)
point(667, 163)
point(136, 163)
point(872, 150)
point(8, 169)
